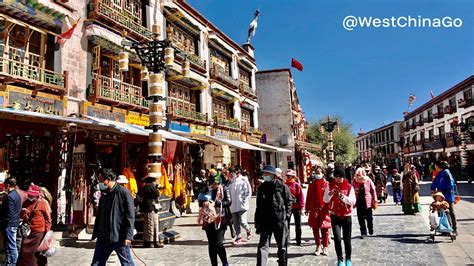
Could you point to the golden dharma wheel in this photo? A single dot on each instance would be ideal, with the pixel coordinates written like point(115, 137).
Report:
point(169, 56)
point(155, 137)
point(186, 71)
point(154, 168)
point(156, 108)
point(155, 28)
point(156, 90)
point(156, 120)
point(154, 150)
point(123, 61)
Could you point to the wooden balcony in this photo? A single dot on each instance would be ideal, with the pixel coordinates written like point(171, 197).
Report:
point(188, 116)
point(246, 90)
point(219, 73)
point(449, 110)
point(117, 92)
point(465, 103)
point(230, 124)
point(23, 67)
point(102, 10)
point(420, 122)
point(413, 126)
point(195, 61)
point(428, 119)
point(438, 115)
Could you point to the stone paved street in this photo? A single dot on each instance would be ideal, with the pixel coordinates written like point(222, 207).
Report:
point(398, 240)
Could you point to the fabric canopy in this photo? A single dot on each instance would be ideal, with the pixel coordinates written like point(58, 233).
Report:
point(234, 143)
point(122, 127)
point(272, 148)
point(11, 113)
point(171, 136)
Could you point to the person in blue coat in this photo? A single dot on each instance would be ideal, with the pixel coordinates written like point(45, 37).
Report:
point(444, 183)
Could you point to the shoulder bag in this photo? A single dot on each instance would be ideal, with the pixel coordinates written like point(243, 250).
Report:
point(24, 228)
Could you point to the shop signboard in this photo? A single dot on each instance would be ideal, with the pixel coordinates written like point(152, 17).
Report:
point(202, 130)
point(24, 99)
point(225, 134)
point(437, 144)
point(104, 112)
point(135, 118)
point(183, 127)
point(419, 147)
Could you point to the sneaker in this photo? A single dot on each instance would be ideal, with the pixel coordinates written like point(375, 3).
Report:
point(249, 235)
point(340, 263)
point(348, 263)
point(317, 251)
point(238, 241)
point(371, 232)
point(325, 251)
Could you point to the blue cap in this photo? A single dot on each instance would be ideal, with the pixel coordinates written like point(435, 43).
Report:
point(269, 169)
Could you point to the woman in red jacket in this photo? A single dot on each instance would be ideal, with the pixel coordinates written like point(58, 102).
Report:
point(366, 198)
point(318, 213)
point(341, 198)
point(37, 211)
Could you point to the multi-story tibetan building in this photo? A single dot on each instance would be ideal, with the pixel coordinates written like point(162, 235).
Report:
point(34, 87)
point(433, 129)
point(282, 120)
point(381, 145)
point(82, 110)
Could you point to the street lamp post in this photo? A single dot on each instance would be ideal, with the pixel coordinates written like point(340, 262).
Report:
point(156, 56)
point(329, 127)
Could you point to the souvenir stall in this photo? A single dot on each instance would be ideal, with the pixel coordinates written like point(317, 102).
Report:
point(35, 151)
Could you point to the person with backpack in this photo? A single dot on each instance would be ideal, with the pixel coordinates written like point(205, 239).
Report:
point(272, 215)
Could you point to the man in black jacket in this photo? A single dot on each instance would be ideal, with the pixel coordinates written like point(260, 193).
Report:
point(272, 215)
point(10, 220)
point(114, 223)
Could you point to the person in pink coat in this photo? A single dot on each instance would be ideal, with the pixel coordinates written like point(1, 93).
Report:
point(366, 200)
point(298, 203)
point(318, 213)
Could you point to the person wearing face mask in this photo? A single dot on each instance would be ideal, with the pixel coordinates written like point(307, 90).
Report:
point(366, 201)
point(115, 221)
point(318, 213)
point(240, 191)
point(36, 212)
point(272, 215)
point(341, 198)
point(298, 203)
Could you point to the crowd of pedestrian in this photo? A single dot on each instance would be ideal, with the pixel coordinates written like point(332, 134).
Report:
point(224, 200)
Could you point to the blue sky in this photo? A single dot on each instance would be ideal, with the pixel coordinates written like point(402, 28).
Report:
point(364, 75)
